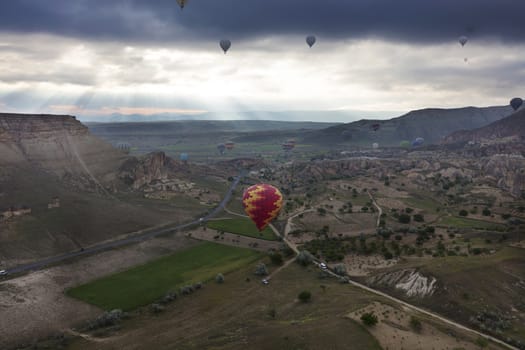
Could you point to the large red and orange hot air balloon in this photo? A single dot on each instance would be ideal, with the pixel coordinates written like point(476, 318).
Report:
point(262, 203)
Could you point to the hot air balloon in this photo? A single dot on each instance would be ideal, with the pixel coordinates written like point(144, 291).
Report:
point(375, 145)
point(184, 157)
point(182, 3)
point(404, 144)
point(463, 40)
point(516, 103)
point(288, 146)
point(225, 45)
point(221, 147)
point(229, 145)
point(262, 203)
point(310, 40)
point(376, 126)
point(124, 147)
point(418, 141)
point(291, 141)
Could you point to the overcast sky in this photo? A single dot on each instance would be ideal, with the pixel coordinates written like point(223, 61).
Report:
point(382, 57)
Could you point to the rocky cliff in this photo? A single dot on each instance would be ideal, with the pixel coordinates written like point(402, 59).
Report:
point(58, 144)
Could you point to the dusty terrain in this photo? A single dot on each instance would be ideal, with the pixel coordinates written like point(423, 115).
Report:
point(35, 305)
point(393, 331)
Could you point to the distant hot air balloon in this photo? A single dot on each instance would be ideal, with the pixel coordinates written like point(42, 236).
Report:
point(288, 146)
point(463, 40)
point(375, 145)
point(375, 126)
point(262, 203)
point(516, 103)
point(404, 144)
point(291, 141)
point(182, 3)
point(418, 141)
point(229, 145)
point(225, 45)
point(184, 157)
point(221, 147)
point(310, 40)
point(124, 146)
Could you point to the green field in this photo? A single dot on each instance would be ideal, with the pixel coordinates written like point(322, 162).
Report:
point(243, 227)
point(144, 284)
point(459, 222)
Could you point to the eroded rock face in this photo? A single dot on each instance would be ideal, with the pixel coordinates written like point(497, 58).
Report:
point(56, 143)
point(154, 166)
point(410, 281)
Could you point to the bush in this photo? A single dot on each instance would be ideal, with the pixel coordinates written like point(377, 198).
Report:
point(157, 308)
point(369, 319)
point(486, 212)
point(304, 296)
point(187, 290)
point(340, 269)
point(404, 218)
point(277, 259)
point(419, 218)
point(304, 258)
point(169, 297)
point(261, 270)
point(415, 324)
point(219, 278)
point(463, 212)
point(107, 319)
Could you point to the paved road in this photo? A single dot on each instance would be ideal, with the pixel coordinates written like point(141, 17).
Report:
point(128, 240)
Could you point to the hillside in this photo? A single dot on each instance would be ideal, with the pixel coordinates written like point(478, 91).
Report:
point(55, 143)
point(432, 124)
point(512, 126)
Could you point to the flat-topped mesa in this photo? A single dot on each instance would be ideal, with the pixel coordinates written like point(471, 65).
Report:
point(57, 143)
point(15, 127)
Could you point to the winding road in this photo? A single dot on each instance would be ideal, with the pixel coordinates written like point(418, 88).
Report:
point(128, 240)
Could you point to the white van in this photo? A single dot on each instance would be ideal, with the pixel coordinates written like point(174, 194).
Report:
point(3, 273)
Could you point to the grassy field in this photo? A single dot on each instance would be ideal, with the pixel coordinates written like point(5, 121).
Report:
point(243, 227)
point(144, 284)
point(235, 315)
point(460, 222)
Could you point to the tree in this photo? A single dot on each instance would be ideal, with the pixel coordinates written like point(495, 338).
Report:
point(321, 211)
point(404, 218)
point(261, 270)
point(277, 259)
point(415, 324)
point(219, 278)
point(304, 258)
point(369, 319)
point(486, 212)
point(305, 296)
point(419, 218)
point(340, 269)
point(463, 212)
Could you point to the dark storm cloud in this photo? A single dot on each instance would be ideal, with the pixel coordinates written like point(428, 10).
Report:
point(161, 20)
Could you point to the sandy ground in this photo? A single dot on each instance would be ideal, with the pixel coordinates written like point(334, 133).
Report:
point(393, 331)
point(363, 265)
point(235, 240)
point(34, 305)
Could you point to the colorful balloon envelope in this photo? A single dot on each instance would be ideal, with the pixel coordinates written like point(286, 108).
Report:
point(262, 203)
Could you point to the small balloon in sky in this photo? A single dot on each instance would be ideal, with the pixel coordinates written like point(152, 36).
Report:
point(182, 3)
point(310, 40)
point(516, 103)
point(225, 45)
point(463, 40)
